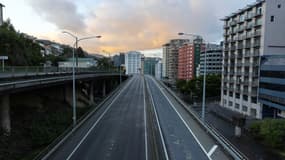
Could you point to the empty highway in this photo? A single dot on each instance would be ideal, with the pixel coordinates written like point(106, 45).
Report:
point(120, 129)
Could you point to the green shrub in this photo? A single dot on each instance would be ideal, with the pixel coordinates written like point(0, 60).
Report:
point(270, 131)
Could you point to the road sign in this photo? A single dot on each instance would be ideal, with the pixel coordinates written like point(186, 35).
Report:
point(3, 57)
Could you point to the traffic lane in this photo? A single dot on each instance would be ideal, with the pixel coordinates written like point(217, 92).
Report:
point(179, 141)
point(68, 146)
point(205, 139)
point(120, 133)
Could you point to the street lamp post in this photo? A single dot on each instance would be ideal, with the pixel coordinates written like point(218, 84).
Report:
point(204, 76)
point(73, 71)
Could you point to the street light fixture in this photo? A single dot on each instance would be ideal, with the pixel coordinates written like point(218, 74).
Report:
point(73, 70)
point(204, 76)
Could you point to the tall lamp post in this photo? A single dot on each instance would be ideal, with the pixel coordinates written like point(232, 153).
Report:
point(73, 70)
point(204, 77)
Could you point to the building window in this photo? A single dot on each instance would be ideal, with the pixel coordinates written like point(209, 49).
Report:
point(253, 100)
point(272, 19)
point(253, 112)
point(231, 94)
point(279, 6)
point(244, 108)
point(237, 106)
point(245, 97)
point(237, 95)
point(225, 101)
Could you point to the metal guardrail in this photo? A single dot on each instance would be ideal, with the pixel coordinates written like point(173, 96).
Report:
point(228, 146)
point(49, 80)
point(21, 71)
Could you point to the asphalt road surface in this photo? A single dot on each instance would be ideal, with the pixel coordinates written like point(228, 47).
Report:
point(115, 132)
point(180, 142)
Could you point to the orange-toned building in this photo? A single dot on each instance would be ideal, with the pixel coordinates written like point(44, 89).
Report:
point(186, 62)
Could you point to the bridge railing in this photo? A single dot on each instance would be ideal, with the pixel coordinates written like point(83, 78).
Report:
point(20, 71)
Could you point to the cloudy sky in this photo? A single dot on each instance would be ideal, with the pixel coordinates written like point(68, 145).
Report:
point(124, 24)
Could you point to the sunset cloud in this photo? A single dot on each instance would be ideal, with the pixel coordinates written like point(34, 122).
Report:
point(136, 25)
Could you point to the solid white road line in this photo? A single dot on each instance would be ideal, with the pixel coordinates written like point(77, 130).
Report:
point(145, 123)
point(212, 150)
point(159, 128)
point(93, 126)
point(182, 119)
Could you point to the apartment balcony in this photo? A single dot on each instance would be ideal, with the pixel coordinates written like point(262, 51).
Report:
point(254, 74)
point(240, 29)
point(254, 83)
point(248, 17)
point(256, 44)
point(249, 26)
point(254, 93)
point(239, 56)
point(246, 74)
point(245, 92)
point(232, 81)
point(233, 23)
point(232, 73)
point(231, 88)
point(240, 46)
point(246, 55)
point(240, 21)
point(256, 54)
point(233, 48)
point(226, 49)
point(245, 82)
point(239, 64)
point(248, 36)
point(226, 26)
point(255, 64)
point(257, 14)
point(248, 45)
point(240, 38)
point(257, 33)
point(238, 90)
point(257, 24)
point(239, 73)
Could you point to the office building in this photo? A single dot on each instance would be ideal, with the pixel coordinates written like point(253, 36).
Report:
point(149, 65)
point(133, 63)
point(272, 86)
point(170, 58)
point(256, 30)
point(214, 60)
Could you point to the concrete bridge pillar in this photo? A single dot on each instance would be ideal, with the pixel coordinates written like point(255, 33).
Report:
point(91, 93)
point(104, 89)
point(5, 114)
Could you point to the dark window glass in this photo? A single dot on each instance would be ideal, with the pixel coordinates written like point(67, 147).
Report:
point(279, 6)
point(272, 18)
point(245, 97)
point(275, 87)
point(273, 74)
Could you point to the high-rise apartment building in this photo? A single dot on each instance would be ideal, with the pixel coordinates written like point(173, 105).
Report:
point(119, 60)
point(133, 62)
point(256, 30)
point(214, 60)
point(186, 62)
point(170, 58)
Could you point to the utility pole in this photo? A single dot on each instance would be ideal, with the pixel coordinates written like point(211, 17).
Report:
point(1, 14)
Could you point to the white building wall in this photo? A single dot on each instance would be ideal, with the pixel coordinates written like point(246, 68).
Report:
point(133, 62)
point(274, 33)
point(158, 70)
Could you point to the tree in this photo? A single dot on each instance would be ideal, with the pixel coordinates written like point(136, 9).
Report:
point(20, 50)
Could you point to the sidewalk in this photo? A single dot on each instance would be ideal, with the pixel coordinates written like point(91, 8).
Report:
point(221, 119)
